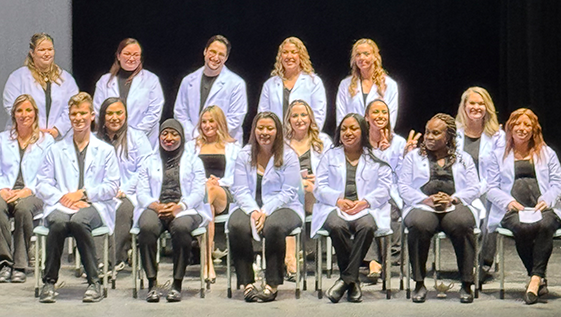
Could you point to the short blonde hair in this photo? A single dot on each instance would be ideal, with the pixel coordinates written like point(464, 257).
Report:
point(305, 62)
point(490, 121)
point(80, 98)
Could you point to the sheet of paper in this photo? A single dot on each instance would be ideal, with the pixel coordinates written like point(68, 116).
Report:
point(254, 232)
point(529, 215)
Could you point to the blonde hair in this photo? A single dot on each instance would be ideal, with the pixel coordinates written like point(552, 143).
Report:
point(36, 131)
point(79, 99)
point(53, 74)
point(218, 115)
point(536, 142)
point(378, 75)
point(490, 121)
point(305, 62)
point(313, 130)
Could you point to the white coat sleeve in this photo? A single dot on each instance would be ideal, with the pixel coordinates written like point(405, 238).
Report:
point(410, 195)
point(240, 188)
point(99, 95)
point(343, 99)
point(322, 191)
point(470, 192)
point(63, 122)
point(238, 107)
point(152, 114)
point(319, 102)
point(47, 189)
point(181, 109)
point(380, 196)
point(143, 152)
point(264, 99)
point(291, 184)
point(107, 188)
point(554, 190)
point(495, 194)
point(12, 90)
point(143, 190)
point(391, 97)
point(198, 181)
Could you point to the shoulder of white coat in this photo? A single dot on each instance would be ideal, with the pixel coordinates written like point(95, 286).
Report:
point(21, 72)
point(137, 138)
point(390, 82)
point(104, 146)
point(231, 76)
point(103, 79)
point(345, 83)
point(462, 157)
point(45, 139)
point(194, 74)
point(399, 140)
point(5, 136)
point(326, 140)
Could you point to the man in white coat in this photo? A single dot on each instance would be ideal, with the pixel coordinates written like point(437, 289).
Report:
point(77, 182)
point(212, 84)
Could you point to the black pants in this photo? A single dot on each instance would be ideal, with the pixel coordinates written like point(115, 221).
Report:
point(458, 226)
point(123, 225)
point(350, 253)
point(375, 252)
point(23, 212)
point(79, 226)
point(488, 241)
point(151, 227)
point(534, 241)
point(277, 226)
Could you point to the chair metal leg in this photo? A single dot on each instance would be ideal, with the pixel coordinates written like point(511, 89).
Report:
point(105, 263)
point(501, 266)
point(134, 267)
point(298, 269)
point(228, 266)
point(114, 271)
point(36, 265)
point(408, 265)
point(329, 258)
point(78, 261)
point(319, 268)
point(388, 267)
point(203, 259)
point(43, 252)
point(476, 267)
point(303, 251)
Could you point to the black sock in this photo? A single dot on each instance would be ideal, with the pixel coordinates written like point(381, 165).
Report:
point(151, 283)
point(419, 285)
point(20, 270)
point(466, 285)
point(177, 285)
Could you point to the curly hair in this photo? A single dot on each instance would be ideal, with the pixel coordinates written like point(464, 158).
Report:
point(218, 116)
point(278, 143)
point(536, 142)
point(451, 132)
point(305, 62)
point(313, 130)
point(116, 67)
point(14, 130)
point(53, 74)
point(490, 121)
point(379, 74)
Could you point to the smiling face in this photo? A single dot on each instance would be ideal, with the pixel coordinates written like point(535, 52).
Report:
point(290, 57)
point(115, 117)
point(436, 136)
point(209, 126)
point(522, 129)
point(299, 118)
point(350, 133)
point(378, 115)
point(364, 57)
point(475, 107)
point(215, 55)
point(265, 132)
point(43, 55)
point(81, 117)
point(25, 115)
point(130, 56)
point(170, 139)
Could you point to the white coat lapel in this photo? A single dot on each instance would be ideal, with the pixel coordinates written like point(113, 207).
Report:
point(69, 152)
point(91, 154)
point(279, 93)
point(360, 182)
point(136, 82)
point(217, 86)
point(157, 177)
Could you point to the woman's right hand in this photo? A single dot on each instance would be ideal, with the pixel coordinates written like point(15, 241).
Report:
point(259, 218)
point(6, 194)
point(345, 204)
point(514, 206)
point(412, 141)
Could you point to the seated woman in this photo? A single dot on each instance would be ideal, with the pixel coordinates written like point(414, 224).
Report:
point(170, 193)
point(352, 192)
point(302, 133)
point(391, 148)
point(526, 174)
point(218, 151)
point(132, 148)
point(438, 183)
point(266, 182)
point(22, 149)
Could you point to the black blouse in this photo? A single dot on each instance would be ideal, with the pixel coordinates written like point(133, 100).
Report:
point(525, 189)
point(441, 179)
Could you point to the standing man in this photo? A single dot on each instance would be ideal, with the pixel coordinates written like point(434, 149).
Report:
point(77, 182)
point(212, 84)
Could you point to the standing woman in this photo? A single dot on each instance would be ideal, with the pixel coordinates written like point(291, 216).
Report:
point(132, 148)
point(266, 182)
point(22, 149)
point(368, 81)
point(218, 151)
point(438, 183)
point(50, 86)
point(293, 78)
point(170, 197)
point(352, 192)
point(303, 135)
point(526, 174)
point(139, 88)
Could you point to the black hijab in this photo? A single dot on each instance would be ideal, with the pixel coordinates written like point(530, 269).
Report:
point(172, 158)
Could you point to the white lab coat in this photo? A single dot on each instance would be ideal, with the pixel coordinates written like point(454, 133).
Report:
point(228, 92)
point(279, 188)
point(22, 82)
point(32, 160)
point(501, 179)
point(394, 156)
point(231, 153)
point(346, 104)
point(308, 87)
point(192, 180)
point(60, 174)
point(415, 172)
point(373, 181)
point(486, 147)
point(144, 103)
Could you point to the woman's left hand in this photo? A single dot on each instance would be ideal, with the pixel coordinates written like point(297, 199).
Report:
point(53, 132)
point(541, 206)
point(384, 143)
point(19, 194)
point(358, 207)
point(412, 141)
point(308, 183)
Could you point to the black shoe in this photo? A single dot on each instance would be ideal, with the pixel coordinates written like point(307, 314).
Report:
point(267, 295)
point(337, 291)
point(354, 294)
point(93, 293)
point(5, 274)
point(419, 294)
point(18, 277)
point(48, 294)
point(250, 294)
point(466, 295)
point(173, 296)
point(530, 298)
point(153, 296)
point(542, 291)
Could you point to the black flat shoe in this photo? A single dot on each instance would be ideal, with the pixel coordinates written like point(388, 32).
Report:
point(542, 291)
point(336, 292)
point(530, 298)
point(466, 295)
point(267, 295)
point(419, 294)
point(173, 296)
point(153, 296)
point(250, 293)
point(354, 294)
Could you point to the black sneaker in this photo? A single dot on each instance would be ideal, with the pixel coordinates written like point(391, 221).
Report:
point(5, 274)
point(48, 294)
point(93, 293)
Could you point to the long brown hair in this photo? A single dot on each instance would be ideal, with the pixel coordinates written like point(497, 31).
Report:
point(53, 74)
point(36, 131)
point(278, 143)
point(379, 74)
point(117, 65)
point(120, 140)
point(535, 143)
point(313, 130)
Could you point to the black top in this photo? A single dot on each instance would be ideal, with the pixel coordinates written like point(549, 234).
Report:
point(258, 198)
point(350, 185)
point(20, 184)
point(215, 164)
point(441, 179)
point(171, 188)
point(48, 100)
point(306, 161)
point(364, 96)
point(471, 146)
point(285, 99)
point(124, 88)
point(81, 160)
point(206, 85)
point(525, 189)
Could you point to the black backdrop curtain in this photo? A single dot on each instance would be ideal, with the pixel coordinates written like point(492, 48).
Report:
point(434, 49)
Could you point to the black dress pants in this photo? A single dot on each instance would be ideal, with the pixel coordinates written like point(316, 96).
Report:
point(534, 241)
point(151, 227)
point(277, 226)
point(458, 226)
point(123, 225)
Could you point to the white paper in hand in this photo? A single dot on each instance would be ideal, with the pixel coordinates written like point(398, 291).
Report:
point(254, 232)
point(529, 215)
